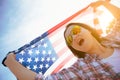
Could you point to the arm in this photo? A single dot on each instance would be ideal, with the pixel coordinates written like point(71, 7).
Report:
point(23, 73)
point(18, 70)
point(112, 8)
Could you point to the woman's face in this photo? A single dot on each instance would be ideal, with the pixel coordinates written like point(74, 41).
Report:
point(79, 38)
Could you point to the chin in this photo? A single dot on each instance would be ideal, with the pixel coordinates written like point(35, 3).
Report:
point(87, 47)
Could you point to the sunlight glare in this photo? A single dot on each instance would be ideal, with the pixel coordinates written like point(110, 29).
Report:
point(105, 18)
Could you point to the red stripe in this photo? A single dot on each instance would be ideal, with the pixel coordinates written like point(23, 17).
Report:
point(56, 31)
point(62, 51)
point(66, 20)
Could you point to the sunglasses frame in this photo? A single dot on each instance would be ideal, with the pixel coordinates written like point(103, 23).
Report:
point(75, 30)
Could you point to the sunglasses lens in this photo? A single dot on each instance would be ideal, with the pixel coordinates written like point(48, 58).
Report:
point(69, 40)
point(76, 29)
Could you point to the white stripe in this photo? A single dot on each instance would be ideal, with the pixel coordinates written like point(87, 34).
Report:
point(57, 63)
point(57, 35)
point(57, 38)
point(84, 17)
point(60, 46)
point(70, 62)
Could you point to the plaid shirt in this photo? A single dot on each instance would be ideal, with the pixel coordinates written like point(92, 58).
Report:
point(88, 68)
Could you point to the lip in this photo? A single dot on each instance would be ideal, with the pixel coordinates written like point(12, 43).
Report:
point(81, 42)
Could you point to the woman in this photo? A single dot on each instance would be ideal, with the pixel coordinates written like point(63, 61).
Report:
point(78, 40)
point(82, 41)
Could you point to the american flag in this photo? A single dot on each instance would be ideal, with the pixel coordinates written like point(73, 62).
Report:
point(48, 53)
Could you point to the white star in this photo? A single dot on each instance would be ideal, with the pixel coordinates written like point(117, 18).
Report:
point(49, 52)
point(42, 40)
point(39, 45)
point(46, 65)
point(22, 52)
point(28, 67)
point(29, 60)
point(30, 52)
point(32, 46)
point(36, 59)
point(45, 45)
point(34, 67)
point(21, 60)
point(48, 59)
point(40, 72)
point(53, 59)
point(41, 66)
point(42, 59)
point(37, 51)
point(43, 52)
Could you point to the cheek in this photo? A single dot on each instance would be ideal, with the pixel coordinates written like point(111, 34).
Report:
point(84, 47)
point(77, 47)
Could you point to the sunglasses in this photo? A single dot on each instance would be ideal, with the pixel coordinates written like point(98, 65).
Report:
point(75, 30)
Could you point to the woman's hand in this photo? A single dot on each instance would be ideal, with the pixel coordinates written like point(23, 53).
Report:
point(10, 57)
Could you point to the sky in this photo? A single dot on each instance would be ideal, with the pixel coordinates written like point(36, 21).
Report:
point(23, 20)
